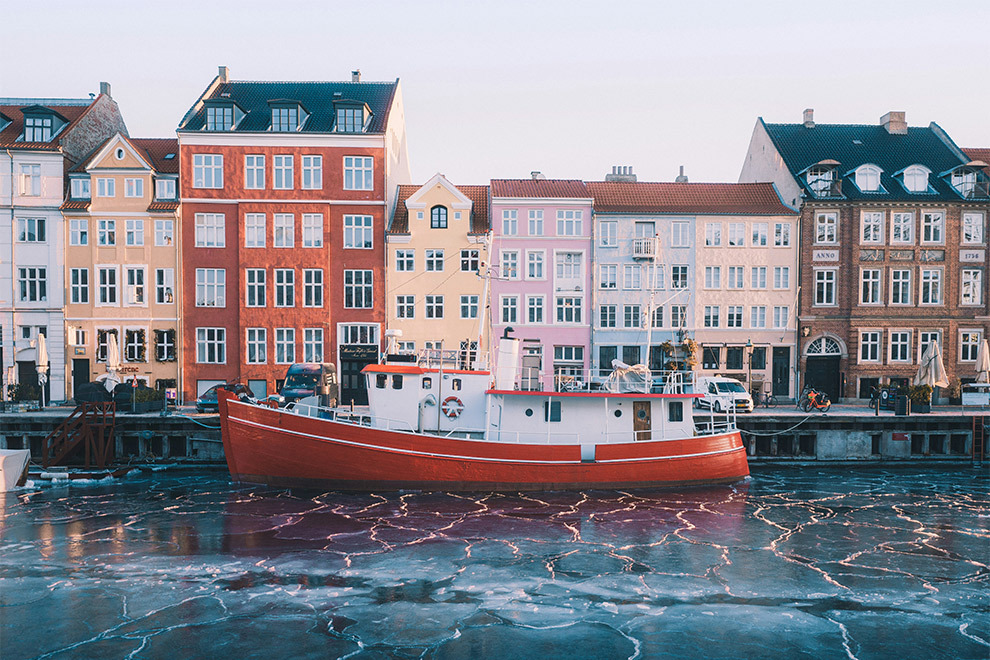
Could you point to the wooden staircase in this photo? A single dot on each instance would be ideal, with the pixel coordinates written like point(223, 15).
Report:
point(90, 425)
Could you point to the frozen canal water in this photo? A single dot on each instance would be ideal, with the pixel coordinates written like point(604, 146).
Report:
point(796, 563)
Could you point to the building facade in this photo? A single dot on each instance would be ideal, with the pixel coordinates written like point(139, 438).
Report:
point(893, 252)
point(287, 188)
point(40, 140)
point(122, 261)
point(437, 246)
point(541, 276)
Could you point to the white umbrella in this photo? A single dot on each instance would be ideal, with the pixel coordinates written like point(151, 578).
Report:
point(113, 363)
point(41, 365)
point(983, 363)
point(932, 371)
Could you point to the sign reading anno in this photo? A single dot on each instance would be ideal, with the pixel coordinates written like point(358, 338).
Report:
point(825, 255)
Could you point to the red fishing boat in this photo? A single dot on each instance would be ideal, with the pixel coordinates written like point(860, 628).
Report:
point(430, 426)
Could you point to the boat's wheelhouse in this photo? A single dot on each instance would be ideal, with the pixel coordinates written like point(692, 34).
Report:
point(411, 397)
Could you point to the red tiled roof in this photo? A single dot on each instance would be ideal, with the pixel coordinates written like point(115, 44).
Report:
point(153, 150)
point(479, 209)
point(10, 134)
point(980, 153)
point(560, 188)
point(701, 198)
point(75, 205)
point(163, 206)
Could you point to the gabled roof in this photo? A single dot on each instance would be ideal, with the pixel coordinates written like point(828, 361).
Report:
point(693, 198)
point(540, 188)
point(317, 97)
point(853, 145)
point(71, 110)
point(152, 150)
point(479, 209)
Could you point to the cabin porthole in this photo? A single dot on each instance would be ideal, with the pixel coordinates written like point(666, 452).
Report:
point(618, 413)
point(641, 413)
point(529, 412)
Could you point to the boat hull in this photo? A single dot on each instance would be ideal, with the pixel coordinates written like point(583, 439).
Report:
point(269, 446)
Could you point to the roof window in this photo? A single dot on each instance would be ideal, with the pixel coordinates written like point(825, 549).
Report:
point(969, 180)
point(287, 116)
point(915, 179)
point(41, 124)
point(822, 179)
point(868, 178)
point(221, 115)
point(351, 117)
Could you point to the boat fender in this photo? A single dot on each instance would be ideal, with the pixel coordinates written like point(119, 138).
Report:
point(452, 407)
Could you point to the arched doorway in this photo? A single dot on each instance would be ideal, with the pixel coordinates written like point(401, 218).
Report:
point(822, 366)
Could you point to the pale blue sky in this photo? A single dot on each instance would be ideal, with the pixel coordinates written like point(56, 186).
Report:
point(498, 89)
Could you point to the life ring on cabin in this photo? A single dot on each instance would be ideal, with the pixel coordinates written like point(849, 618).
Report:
point(452, 407)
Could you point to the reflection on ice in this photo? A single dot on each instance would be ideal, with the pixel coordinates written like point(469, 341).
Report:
point(820, 563)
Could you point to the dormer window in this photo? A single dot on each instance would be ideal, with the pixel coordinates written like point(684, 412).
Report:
point(822, 179)
point(37, 129)
point(970, 181)
point(351, 117)
point(80, 188)
point(915, 179)
point(868, 178)
point(287, 116)
point(220, 117)
point(438, 217)
point(164, 188)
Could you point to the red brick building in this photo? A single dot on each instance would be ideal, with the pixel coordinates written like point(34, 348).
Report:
point(286, 190)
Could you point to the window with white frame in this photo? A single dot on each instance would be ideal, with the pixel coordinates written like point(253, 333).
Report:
point(632, 277)
point(80, 337)
point(434, 261)
point(916, 179)
point(283, 175)
point(655, 277)
point(536, 222)
point(821, 180)
point(902, 227)
point(735, 280)
point(827, 228)
point(869, 286)
point(164, 232)
point(312, 287)
point(103, 342)
point(869, 346)
point(469, 307)
point(569, 309)
point(134, 232)
point(679, 277)
point(534, 309)
point(358, 232)
point(313, 344)
point(925, 339)
point(608, 234)
point(825, 287)
point(713, 277)
point(133, 187)
point(569, 223)
point(510, 309)
point(535, 264)
point(211, 287)
point(900, 346)
point(510, 264)
point(737, 234)
point(871, 227)
point(285, 287)
point(207, 171)
point(164, 189)
point(358, 333)
point(349, 120)
point(758, 316)
point(972, 228)
point(257, 345)
point(900, 286)
point(470, 260)
point(734, 316)
point(79, 188)
point(782, 234)
point(713, 234)
point(135, 345)
point(608, 276)
point(569, 268)
point(284, 226)
point(760, 234)
point(254, 172)
point(285, 345)
point(359, 173)
point(211, 345)
point(210, 230)
point(78, 231)
point(31, 230)
point(106, 232)
point(134, 288)
point(868, 178)
point(285, 119)
point(678, 316)
point(933, 227)
point(255, 228)
point(106, 285)
point(312, 172)
point(358, 289)
point(406, 347)
point(510, 222)
point(405, 307)
point(713, 316)
point(434, 307)
point(931, 286)
point(106, 187)
point(606, 316)
point(758, 277)
point(37, 129)
point(219, 117)
point(164, 286)
point(969, 345)
point(79, 286)
point(681, 236)
point(971, 286)
point(781, 313)
point(405, 261)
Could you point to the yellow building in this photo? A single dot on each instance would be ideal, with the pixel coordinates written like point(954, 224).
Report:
point(122, 261)
point(436, 252)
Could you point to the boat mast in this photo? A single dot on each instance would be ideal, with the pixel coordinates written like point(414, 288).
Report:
point(482, 310)
point(649, 308)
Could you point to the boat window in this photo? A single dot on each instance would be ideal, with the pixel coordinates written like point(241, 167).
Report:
point(427, 383)
point(675, 411)
point(380, 381)
point(456, 385)
point(529, 412)
point(551, 411)
point(397, 382)
point(618, 413)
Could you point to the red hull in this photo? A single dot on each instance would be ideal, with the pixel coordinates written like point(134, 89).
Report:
point(269, 446)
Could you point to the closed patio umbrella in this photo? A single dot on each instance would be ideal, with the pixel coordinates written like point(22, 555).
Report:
point(41, 365)
point(983, 363)
point(932, 371)
point(113, 363)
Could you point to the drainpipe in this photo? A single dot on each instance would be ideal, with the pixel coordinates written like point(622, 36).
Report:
point(13, 271)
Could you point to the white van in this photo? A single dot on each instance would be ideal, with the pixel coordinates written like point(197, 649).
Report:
point(722, 393)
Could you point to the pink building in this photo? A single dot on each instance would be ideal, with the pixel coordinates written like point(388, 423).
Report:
point(541, 276)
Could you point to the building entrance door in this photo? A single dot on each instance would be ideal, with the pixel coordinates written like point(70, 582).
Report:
point(781, 370)
point(80, 372)
point(822, 370)
point(354, 358)
point(641, 420)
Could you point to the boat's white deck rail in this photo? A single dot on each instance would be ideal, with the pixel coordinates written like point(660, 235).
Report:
point(567, 379)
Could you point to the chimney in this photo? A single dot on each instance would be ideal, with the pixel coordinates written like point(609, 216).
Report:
point(681, 178)
point(537, 175)
point(809, 118)
point(105, 88)
point(895, 122)
point(224, 74)
point(356, 75)
point(621, 173)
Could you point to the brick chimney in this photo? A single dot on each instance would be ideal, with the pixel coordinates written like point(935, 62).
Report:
point(224, 74)
point(809, 118)
point(621, 173)
point(895, 122)
point(356, 75)
point(105, 88)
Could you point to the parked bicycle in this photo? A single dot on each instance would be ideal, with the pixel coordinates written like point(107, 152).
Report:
point(765, 399)
point(812, 399)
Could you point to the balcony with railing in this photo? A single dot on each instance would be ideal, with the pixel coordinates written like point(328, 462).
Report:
point(644, 248)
